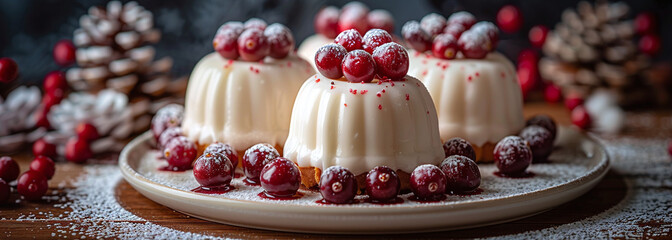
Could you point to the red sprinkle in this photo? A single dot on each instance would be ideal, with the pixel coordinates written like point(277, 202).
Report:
point(427, 112)
point(378, 94)
point(469, 78)
point(407, 97)
point(289, 64)
point(380, 107)
point(363, 92)
point(345, 104)
point(332, 87)
point(353, 91)
point(503, 74)
point(383, 90)
point(478, 74)
point(424, 73)
point(317, 80)
point(417, 54)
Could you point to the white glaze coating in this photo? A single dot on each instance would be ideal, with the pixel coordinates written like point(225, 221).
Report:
point(242, 103)
point(310, 45)
point(352, 126)
point(476, 99)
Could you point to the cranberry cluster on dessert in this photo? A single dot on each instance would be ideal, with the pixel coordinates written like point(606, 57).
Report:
point(330, 21)
point(253, 40)
point(445, 38)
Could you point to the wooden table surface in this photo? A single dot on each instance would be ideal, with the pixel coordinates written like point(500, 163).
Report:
point(608, 193)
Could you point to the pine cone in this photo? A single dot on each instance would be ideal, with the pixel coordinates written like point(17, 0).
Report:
point(17, 118)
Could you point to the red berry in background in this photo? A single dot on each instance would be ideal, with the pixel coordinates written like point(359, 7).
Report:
point(415, 37)
point(77, 150)
point(374, 38)
point(359, 66)
point(32, 185)
point(669, 149)
point(224, 149)
point(552, 93)
point(428, 182)
point(55, 81)
point(459, 146)
point(44, 148)
point(645, 23)
point(9, 169)
point(580, 117)
point(433, 24)
point(528, 56)
point(490, 30)
point(445, 46)
point(328, 60)
point(213, 170)
point(41, 119)
point(350, 39)
point(354, 5)
point(538, 35)
point(649, 44)
point(544, 121)
point(540, 141)
point(226, 42)
point(462, 174)
point(326, 22)
point(64, 53)
point(44, 165)
point(280, 177)
point(180, 153)
point(572, 102)
point(280, 40)
point(391, 60)
point(167, 117)
point(238, 27)
point(8, 70)
point(354, 17)
point(465, 19)
point(87, 131)
point(455, 30)
point(255, 23)
point(512, 155)
point(338, 185)
point(381, 19)
point(509, 19)
point(253, 45)
point(5, 191)
point(52, 98)
point(473, 44)
point(527, 76)
point(382, 184)
point(256, 158)
point(168, 135)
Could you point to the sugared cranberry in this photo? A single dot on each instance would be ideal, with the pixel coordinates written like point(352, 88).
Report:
point(509, 19)
point(428, 182)
point(32, 185)
point(350, 39)
point(433, 24)
point(382, 184)
point(180, 152)
point(538, 35)
point(9, 169)
point(473, 44)
point(459, 146)
point(374, 38)
point(540, 141)
point(445, 46)
point(649, 44)
point(381, 19)
point(280, 177)
point(463, 18)
point(391, 61)
point(55, 81)
point(280, 40)
point(226, 42)
point(645, 23)
point(326, 22)
point(224, 149)
point(167, 117)
point(353, 18)
point(355, 5)
point(359, 66)
point(415, 37)
point(552, 93)
point(255, 23)
point(238, 27)
point(338, 185)
point(44, 165)
point(462, 174)
point(544, 121)
point(44, 148)
point(256, 158)
point(64, 53)
point(5, 191)
point(213, 169)
point(490, 30)
point(573, 101)
point(8, 70)
point(168, 135)
point(87, 131)
point(328, 60)
point(580, 117)
point(77, 150)
point(512, 155)
point(253, 45)
point(455, 30)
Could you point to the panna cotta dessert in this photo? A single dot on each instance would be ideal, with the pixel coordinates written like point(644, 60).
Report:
point(362, 111)
point(475, 89)
point(243, 93)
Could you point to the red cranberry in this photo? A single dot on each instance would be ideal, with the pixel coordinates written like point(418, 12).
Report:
point(445, 46)
point(253, 45)
point(87, 131)
point(77, 150)
point(381, 19)
point(238, 27)
point(540, 141)
point(41, 119)
point(528, 75)
point(44, 165)
point(338, 185)
point(645, 23)
point(5, 191)
point(280, 39)
point(538, 35)
point(8, 70)
point(353, 18)
point(509, 19)
point(328, 60)
point(543, 121)
point(213, 169)
point(473, 44)
point(52, 98)
point(226, 42)
point(428, 182)
point(55, 81)
point(512, 155)
point(528, 56)
point(649, 44)
point(359, 66)
point(433, 24)
point(580, 117)
point(180, 152)
point(167, 117)
point(326, 22)
point(64, 53)
point(572, 102)
point(32, 185)
point(280, 177)
point(374, 38)
point(490, 30)
point(391, 61)
point(462, 174)
point(455, 30)
point(9, 169)
point(463, 18)
point(415, 37)
point(168, 135)
point(382, 184)
point(354, 5)
point(255, 23)
point(224, 149)
point(552, 93)
point(350, 39)
point(459, 146)
point(256, 158)
point(44, 148)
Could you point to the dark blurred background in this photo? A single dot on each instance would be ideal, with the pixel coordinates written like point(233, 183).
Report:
point(30, 28)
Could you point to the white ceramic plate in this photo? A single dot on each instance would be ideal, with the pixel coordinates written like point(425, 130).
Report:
point(578, 164)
